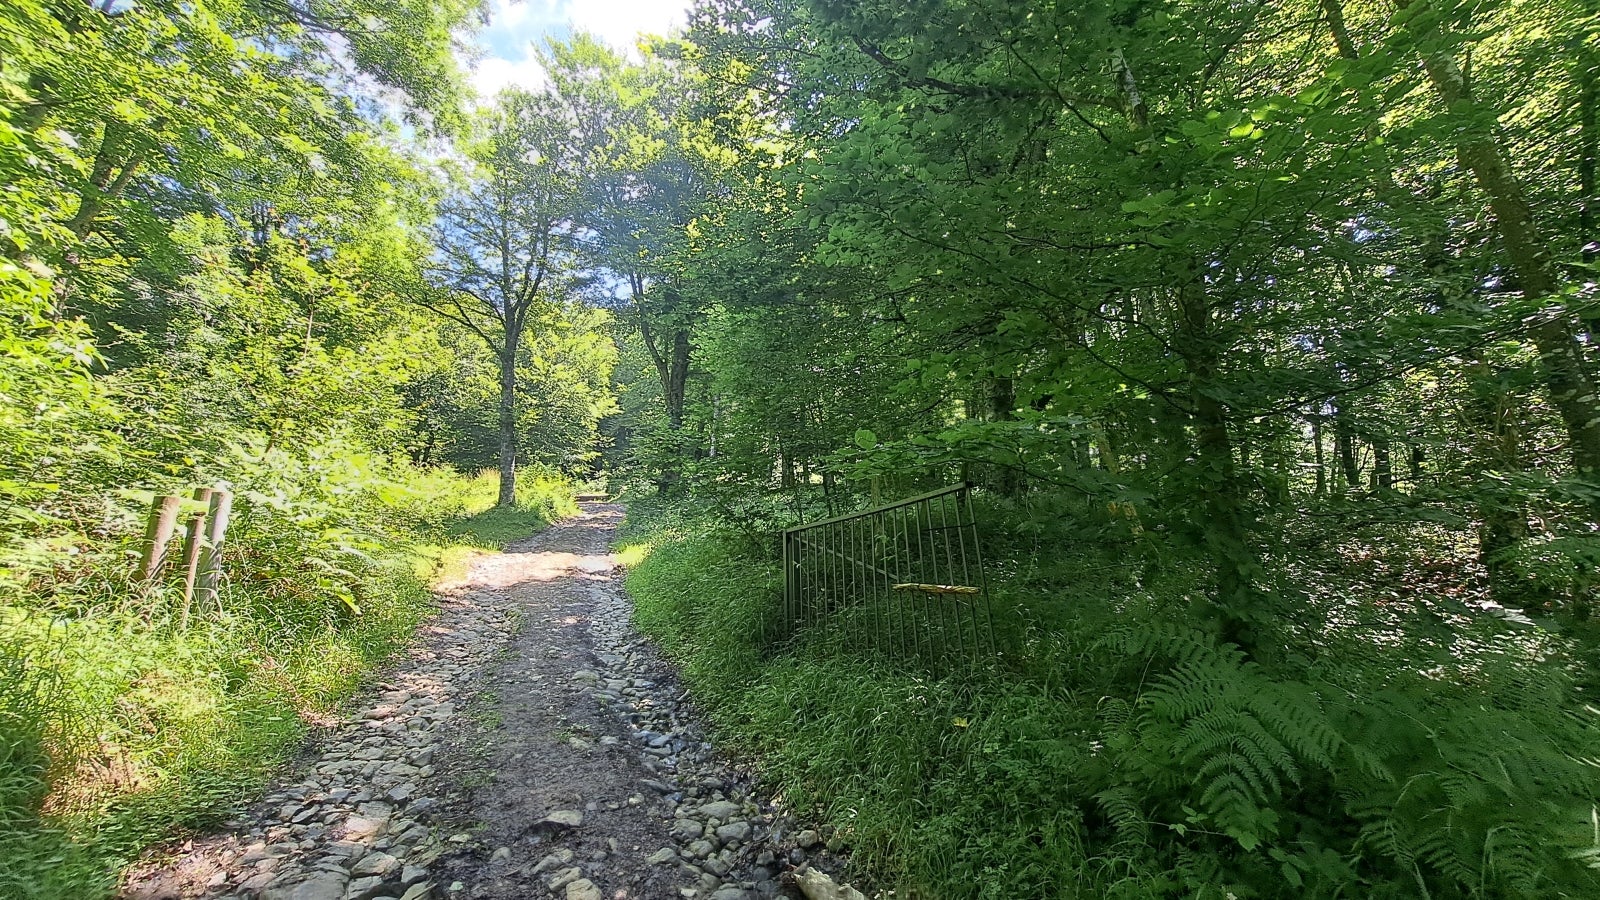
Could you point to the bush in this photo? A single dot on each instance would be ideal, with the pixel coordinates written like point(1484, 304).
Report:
point(1118, 753)
point(120, 727)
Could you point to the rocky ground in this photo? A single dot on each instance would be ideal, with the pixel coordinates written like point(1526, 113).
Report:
point(531, 745)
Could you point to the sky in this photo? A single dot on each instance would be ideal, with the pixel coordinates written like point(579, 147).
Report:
point(517, 26)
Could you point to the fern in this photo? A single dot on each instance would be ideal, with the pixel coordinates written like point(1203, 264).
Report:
point(1121, 807)
point(1492, 794)
point(1467, 775)
point(1215, 722)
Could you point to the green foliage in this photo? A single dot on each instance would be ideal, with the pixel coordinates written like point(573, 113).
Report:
point(1118, 754)
point(542, 497)
point(139, 731)
point(208, 241)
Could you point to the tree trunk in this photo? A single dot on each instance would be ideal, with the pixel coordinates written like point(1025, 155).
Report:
point(1104, 450)
point(1588, 66)
point(1225, 530)
point(508, 422)
point(676, 378)
point(1003, 408)
point(114, 166)
point(1322, 465)
point(1571, 387)
point(1382, 469)
point(1344, 443)
point(1505, 517)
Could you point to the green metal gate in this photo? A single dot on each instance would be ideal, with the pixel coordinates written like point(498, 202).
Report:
point(905, 579)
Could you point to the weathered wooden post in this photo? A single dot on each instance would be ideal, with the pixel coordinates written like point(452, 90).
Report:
point(791, 582)
point(158, 531)
point(193, 537)
point(211, 556)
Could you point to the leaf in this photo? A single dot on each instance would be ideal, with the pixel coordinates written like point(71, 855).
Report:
point(865, 439)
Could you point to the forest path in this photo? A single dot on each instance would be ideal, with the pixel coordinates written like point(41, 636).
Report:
point(531, 745)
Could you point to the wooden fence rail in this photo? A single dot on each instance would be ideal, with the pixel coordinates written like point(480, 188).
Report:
point(205, 530)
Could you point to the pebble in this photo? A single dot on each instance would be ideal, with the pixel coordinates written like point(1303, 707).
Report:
point(721, 809)
point(374, 864)
point(553, 861)
point(352, 827)
point(563, 878)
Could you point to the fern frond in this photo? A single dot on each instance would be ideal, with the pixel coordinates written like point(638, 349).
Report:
point(1121, 808)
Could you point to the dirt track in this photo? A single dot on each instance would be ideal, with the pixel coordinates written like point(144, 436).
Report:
point(531, 745)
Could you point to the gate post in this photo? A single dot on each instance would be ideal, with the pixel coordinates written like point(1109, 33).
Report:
point(791, 584)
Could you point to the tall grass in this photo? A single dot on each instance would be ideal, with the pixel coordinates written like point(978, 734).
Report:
point(120, 729)
point(1112, 752)
point(542, 496)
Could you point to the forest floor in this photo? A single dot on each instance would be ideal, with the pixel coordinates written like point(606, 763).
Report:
point(531, 744)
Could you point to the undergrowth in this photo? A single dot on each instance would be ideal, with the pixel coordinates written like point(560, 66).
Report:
point(120, 728)
point(1113, 751)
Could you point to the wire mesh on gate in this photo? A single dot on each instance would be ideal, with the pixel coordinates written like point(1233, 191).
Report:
point(904, 579)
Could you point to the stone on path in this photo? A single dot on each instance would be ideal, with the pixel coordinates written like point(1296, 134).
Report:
point(722, 809)
point(563, 878)
point(378, 863)
point(315, 886)
point(360, 828)
point(364, 888)
point(583, 889)
point(566, 818)
point(816, 885)
point(553, 861)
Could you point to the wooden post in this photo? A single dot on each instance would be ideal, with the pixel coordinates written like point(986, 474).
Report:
point(791, 582)
point(192, 539)
point(158, 530)
point(211, 556)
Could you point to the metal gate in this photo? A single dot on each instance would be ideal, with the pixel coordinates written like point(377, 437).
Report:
point(904, 579)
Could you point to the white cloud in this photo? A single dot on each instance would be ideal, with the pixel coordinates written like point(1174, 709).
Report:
point(492, 74)
point(619, 22)
point(508, 15)
point(505, 45)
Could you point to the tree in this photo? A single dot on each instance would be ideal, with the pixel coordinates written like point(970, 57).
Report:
point(506, 239)
point(663, 152)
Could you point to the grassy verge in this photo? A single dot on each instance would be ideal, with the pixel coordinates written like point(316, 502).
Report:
point(903, 766)
point(1112, 752)
point(120, 729)
point(541, 498)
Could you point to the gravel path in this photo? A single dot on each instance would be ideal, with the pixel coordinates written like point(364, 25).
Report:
point(531, 745)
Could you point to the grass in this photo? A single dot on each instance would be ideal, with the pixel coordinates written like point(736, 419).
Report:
point(119, 730)
point(1055, 773)
point(541, 498)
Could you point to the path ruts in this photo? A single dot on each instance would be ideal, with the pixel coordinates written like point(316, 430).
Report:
point(531, 745)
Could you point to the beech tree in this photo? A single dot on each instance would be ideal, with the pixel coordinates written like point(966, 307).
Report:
point(506, 239)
